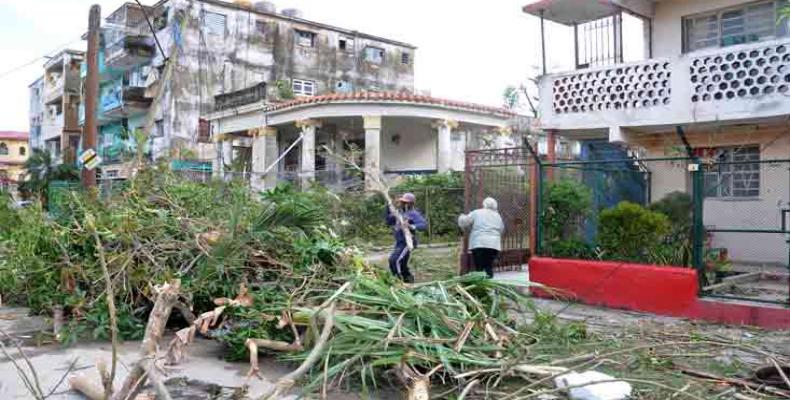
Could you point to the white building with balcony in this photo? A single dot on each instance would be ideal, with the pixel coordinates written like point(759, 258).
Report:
point(645, 73)
point(55, 99)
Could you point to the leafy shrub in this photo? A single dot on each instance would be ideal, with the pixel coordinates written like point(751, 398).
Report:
point(677, 246)
point(572, 248)
point(440, 197)
point(629, 232)
point(565, 205)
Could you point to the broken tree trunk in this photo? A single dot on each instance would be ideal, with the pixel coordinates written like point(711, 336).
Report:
point(145, 368)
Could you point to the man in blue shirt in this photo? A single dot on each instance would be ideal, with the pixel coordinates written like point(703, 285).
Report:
point(399, 259)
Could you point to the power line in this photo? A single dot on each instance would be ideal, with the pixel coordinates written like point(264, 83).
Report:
point(33, 61)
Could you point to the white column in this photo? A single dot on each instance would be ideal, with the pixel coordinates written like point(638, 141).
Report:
point(307, 167)
point(224, 154)
point(372, 147)
point(444, 129)
point(272, 150)
point(336, 159)
point(260, 159)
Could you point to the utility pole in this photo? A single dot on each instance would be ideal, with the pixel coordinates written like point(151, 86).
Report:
point(89, 130)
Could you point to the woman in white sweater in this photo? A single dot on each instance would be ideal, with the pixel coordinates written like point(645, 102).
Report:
point(485, 234)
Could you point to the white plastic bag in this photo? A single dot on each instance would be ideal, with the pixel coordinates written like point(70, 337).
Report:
point(608, 390)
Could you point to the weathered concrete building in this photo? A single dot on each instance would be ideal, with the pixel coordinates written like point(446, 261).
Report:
point(14, 150)
point(221, 48)
point(54, 105)
point(718, 70)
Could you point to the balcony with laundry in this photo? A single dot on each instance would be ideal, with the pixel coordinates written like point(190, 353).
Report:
point(627, 69)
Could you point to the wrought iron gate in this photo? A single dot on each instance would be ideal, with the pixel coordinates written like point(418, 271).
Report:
point(503, 174)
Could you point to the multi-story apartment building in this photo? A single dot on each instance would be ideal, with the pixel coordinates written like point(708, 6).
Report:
point(221, 48)
point(36, 113)
point(650, 74)
point(14, 151)
point(54, 106)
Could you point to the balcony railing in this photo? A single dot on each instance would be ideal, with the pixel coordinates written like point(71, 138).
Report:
point(130, 50)
point(737, 82)
point(53, 89)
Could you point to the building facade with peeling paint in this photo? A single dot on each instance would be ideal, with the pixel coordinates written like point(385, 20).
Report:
point(54, 106)
point(222, 48)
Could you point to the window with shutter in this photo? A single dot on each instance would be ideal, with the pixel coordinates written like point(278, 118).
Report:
point(214, 23)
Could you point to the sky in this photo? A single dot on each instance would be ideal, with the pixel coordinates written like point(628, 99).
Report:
point(467, 50)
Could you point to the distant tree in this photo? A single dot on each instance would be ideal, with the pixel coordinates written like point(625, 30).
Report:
point(515, 97)
point(43, 170)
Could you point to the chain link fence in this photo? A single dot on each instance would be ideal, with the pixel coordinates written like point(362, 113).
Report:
point(727, 218)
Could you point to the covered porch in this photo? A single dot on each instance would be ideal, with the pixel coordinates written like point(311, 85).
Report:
point(312, 139)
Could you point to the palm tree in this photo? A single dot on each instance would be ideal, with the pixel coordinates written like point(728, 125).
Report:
point(42, 170)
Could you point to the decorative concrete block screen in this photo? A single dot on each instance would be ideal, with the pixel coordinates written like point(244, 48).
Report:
point(621, 87)
point(741, 74)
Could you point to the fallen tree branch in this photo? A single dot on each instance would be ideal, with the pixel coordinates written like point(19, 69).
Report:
point(736, 382)
point(107, 378)
point(285, 383)
point(167, 297)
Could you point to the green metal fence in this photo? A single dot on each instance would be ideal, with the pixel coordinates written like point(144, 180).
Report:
point(727, 217)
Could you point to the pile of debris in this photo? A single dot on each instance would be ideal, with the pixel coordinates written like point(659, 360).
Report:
point(270, 277)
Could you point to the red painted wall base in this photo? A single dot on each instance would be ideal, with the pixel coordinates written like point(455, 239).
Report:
point(662, 290)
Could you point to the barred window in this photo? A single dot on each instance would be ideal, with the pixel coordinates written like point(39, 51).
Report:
point(303, 87)
point(735, 172)
point(737, 25)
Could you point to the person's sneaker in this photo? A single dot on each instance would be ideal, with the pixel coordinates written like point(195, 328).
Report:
point(408, 278)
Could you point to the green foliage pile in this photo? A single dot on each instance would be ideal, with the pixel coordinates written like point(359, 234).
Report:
point(358, 218)
point(212, 237)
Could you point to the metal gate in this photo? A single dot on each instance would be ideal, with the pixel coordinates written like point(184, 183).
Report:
point(503, 174)
point(746, 216)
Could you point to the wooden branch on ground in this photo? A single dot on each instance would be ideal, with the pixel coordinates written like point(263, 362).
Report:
point(287, 382)
point(107, 377)
point(145, 368)
point(736, 382)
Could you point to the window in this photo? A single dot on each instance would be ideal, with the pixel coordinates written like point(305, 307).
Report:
point(405, 58)
point(344, 87)
point(261, 27)
point(3, 149)
point(303, 88)
point(345, 44)
point(734, 173)
point(745, 24)
point(22, 150)
point(305, 38)
point(159, 128)
point(374, 55)
point(214, 23)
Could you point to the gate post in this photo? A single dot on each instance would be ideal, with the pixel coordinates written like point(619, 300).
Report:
point(698, 234)
point(538, 208)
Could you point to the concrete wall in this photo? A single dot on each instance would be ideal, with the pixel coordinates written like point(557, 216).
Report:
point(408, 145)
point(763, 212)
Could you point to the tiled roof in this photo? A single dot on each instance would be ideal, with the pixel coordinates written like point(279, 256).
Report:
point(391, 97)
point(11, 135)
